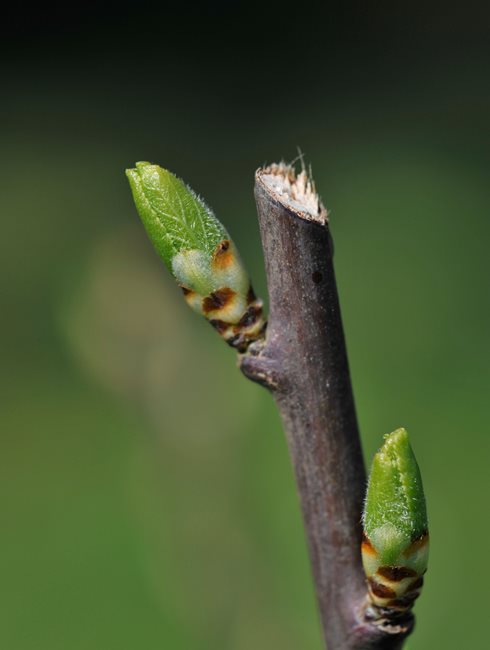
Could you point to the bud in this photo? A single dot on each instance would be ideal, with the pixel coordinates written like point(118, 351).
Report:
point(396, 540)
point(199, 253)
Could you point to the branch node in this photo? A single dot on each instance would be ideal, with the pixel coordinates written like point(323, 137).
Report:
point(257, 366)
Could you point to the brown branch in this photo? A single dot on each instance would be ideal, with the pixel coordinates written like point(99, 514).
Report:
point(303, 361)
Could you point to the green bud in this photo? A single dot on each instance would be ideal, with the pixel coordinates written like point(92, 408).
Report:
point(175, 218)
point(395, 546)
point(395, 511)
point(198, 251)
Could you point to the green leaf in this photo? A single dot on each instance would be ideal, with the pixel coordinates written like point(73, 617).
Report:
point(175, 218)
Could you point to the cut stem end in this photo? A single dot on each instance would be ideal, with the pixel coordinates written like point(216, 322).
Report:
point(295, 191)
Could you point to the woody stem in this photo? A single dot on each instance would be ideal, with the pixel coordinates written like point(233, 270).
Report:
point(303, 362)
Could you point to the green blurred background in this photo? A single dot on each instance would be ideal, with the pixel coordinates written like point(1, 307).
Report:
point(147, 499)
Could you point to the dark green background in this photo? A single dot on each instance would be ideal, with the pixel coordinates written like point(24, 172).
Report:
point(147, 500)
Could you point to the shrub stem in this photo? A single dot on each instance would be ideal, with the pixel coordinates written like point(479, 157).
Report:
point(303, 361)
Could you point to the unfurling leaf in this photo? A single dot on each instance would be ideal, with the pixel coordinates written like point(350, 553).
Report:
point(396, 540)
point(199, 253)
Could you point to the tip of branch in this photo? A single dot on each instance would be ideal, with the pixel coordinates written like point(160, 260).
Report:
point(295, 191)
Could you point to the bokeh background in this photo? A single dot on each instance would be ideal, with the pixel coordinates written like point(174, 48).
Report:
point(147, 499)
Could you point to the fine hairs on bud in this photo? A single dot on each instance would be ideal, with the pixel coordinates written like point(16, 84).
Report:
point(396, 541)
point(199, 253)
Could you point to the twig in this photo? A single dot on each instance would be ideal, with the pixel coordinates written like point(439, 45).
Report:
point(303, 361)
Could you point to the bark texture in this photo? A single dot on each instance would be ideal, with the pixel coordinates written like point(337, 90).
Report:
point(303, 361)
